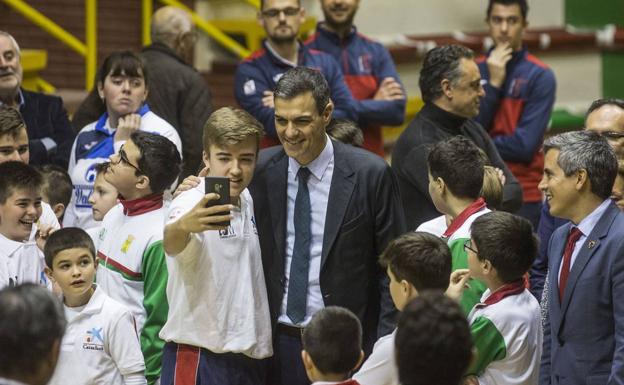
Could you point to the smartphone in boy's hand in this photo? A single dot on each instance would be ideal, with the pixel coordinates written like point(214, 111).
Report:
point(221, 186)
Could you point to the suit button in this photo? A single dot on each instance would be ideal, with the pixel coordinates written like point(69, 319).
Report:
point(561, 343)
point(283, 281)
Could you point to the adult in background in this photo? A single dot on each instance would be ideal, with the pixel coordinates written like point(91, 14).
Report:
point(606, 117)
point(178, 93)
point(519, 97)
point(324, 211)
point(257, 75)
point(32, 325)
point(122, 88)
point(49, 131)
point(583, 333)
point(368, 70)
point(450, 84)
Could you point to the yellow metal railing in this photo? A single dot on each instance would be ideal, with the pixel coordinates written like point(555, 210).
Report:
point(88, 49)
point(205, 26)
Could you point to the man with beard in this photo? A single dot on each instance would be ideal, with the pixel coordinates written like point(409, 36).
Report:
point(50, 133)
point(368, 70)
point(257, 75)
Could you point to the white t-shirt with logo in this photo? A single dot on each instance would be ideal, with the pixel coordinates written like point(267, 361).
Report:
point(216, 290)
point(100, 345)
point(21, 262)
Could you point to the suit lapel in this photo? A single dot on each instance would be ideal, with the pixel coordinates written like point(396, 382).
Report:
point(342, 185)
point(553, 280)
point(600, 231)
point(277, 180)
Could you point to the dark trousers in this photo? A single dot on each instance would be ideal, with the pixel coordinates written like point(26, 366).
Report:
point(190, 365)
point(532, 212)
point(287, 366)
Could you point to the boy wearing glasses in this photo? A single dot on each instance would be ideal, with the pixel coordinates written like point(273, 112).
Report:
point(506, 324)
point(133, 270)
point(456, 170)
point(257, 75)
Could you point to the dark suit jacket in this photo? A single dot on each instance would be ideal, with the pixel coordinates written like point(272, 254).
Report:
point(584, 335)
point(363, 214)
point(45, 117)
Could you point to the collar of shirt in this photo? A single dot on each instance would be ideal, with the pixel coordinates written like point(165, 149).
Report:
point(95, 302)
point(319, 165)
point(276, 57)
point(588, 223)
point(8, 381)
point(20, 97)
point(9, 246)
point(103, 124)
point(321, 29)
point(345, 382)
point(443, 119)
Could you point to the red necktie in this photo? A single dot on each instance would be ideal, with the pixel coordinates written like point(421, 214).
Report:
point(573, 237)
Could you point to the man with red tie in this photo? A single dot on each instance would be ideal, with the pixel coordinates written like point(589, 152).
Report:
point(584, 330)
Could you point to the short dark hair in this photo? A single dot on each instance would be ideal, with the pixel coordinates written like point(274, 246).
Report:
point(333, 339)
point(100, 168)
point(598, 103)
point(57, 184)
point(299, 80)
point(160, 159)
point(17, 175)
point(433, 344)
point(459, 163)
point(507, 241)
point(11, 121)
point(31, 320)
point(345, 131)
point(421, 259)
point(126, 62)
point(264, 1)
point(67, 238)
point(586, 150)
point(524, 7)
point(441, 63)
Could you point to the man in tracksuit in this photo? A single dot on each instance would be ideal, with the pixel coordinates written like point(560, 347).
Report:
point(519, 97)
point(258, 74)
point(368, 70)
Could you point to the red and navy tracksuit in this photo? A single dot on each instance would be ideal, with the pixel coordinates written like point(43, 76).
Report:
point(517, 115)
point(364, 64)
point(261, 71)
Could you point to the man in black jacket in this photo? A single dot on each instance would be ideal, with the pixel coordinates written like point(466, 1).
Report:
point(177, 92)
point(451, 88)
point(51, 135)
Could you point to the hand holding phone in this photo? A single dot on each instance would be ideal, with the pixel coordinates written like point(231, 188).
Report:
point(220, 186)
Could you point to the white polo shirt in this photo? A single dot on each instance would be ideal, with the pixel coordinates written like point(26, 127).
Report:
point(216, 290)
point(380, 367)
point(100, 345)
point(21, 262)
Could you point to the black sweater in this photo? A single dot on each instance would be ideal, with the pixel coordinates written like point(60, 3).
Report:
point(409, 161)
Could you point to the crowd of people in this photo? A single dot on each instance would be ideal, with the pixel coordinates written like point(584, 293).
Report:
point(485, 253)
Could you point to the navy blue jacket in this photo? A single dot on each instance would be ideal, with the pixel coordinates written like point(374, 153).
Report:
point(261, 71)
point(45, 117)
point(364, 64)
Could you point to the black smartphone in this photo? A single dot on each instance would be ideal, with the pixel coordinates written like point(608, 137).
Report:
point(221, 186)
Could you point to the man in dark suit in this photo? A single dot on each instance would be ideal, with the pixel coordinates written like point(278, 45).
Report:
point(584, 330)
point(50, 133)
point(324, 212)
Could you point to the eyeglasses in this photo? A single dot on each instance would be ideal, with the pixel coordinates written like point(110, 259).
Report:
point(612, 135)
point(124, 158)
point(468, 246)
point(272, 13)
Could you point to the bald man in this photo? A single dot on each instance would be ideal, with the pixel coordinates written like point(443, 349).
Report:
point(177, 92)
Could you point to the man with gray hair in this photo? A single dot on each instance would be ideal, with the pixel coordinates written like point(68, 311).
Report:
point(451, 88)
point(32, 325)
point(584, 331)
point(177, 91)
point(49, 131)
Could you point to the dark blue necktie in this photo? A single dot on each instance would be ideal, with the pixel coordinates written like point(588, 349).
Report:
point(300, 263)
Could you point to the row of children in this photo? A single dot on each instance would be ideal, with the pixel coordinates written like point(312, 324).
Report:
point(205, 312)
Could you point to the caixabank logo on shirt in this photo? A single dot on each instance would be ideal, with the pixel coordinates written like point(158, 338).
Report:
point(94, 339)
